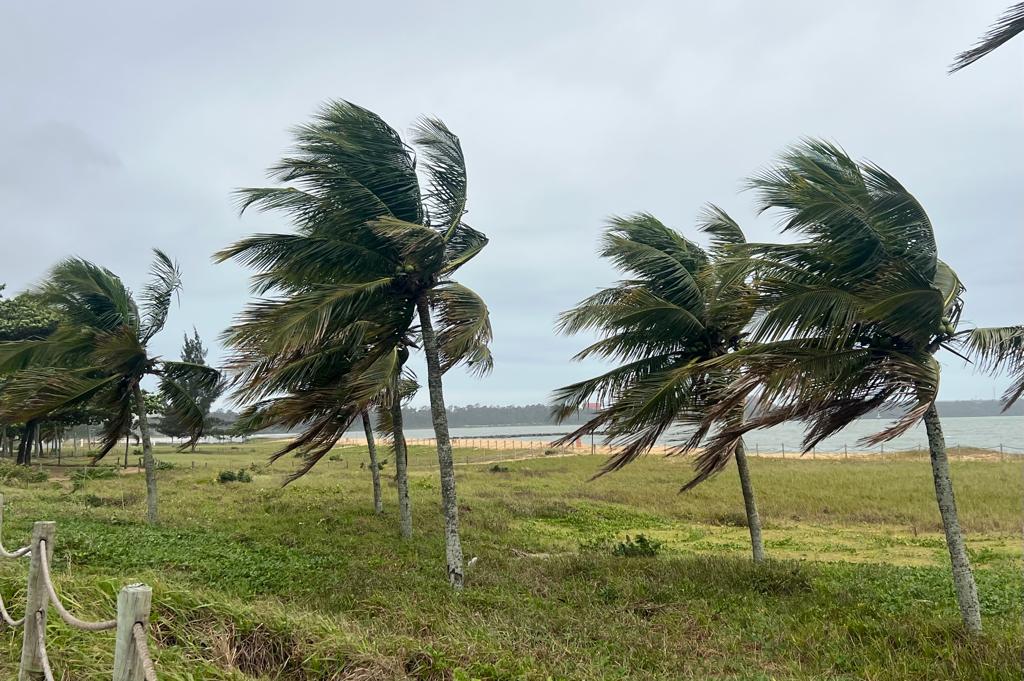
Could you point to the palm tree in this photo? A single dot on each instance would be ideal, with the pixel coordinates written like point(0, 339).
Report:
point(679, 308)
point(850, 320)
point(104, 334)
point(1006, 27)
point(371, 255)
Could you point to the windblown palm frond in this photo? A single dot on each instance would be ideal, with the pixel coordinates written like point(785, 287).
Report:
point(39, 392)
point(464, 328)
point(445, 166)
point(996, 350)
point(1006, 27)
point(165, 282)
point(175, 379)
point(90, 296)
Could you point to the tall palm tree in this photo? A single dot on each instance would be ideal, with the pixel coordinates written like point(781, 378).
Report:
point(372, 255)
point(1006, 27)
point(104, 334)
point(851, 318)
point(679, 308)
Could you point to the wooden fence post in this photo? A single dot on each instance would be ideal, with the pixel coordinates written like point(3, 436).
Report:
point(36, 600)
point(133, 603)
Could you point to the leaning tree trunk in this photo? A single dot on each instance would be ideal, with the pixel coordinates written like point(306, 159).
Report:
point(147, 456)
point(401, 463)
point(449, 502)
point(371, 446)
point(750, 503)
point(963, 578)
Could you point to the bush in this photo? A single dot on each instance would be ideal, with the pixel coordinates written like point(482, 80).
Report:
point(164, 465)
point(232, 476)
point(497, 468)
point(642, 547)
point(93, 473)
point(10, 472)
point(335, 457)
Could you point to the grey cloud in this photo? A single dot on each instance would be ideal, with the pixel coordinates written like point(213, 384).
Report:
point(151, 114)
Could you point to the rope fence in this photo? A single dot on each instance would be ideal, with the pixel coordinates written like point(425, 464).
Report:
point(132, 660)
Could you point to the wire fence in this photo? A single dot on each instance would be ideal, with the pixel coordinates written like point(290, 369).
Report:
point(494, 450)
point(132, 661)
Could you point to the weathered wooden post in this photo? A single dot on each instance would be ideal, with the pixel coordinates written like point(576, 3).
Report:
point(36, 600)
point(133, 603)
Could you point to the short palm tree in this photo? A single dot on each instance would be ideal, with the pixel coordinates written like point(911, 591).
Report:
point(850, 320)
point(104, 334)
point(1006, 27)
point(679, 308)
point(372, 255)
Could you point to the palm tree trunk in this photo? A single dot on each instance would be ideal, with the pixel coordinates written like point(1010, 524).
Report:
point(963, 578)
point(449, 501)
point(371, 446)
point(25, 443)
point(147, 456)
point(750, 503)
point(401, 464)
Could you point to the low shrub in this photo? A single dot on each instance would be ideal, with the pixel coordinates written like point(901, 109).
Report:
point(13, 473)
point(234, 476)
point(641, 547)
point(79, 476)
point(497, 468)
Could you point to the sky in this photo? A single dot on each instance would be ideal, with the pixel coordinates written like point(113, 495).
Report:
point(125, 126)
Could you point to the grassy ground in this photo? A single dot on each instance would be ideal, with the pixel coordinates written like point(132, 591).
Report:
point(253, 581)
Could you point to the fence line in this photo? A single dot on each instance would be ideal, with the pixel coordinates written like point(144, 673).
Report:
point(514, 448)
point(132, 661)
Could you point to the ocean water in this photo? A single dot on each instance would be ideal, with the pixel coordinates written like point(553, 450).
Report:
point(969, 431)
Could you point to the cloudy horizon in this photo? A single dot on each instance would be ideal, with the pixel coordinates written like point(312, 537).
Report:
point(126, 127)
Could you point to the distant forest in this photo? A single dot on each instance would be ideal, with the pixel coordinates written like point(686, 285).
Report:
point(540, 414)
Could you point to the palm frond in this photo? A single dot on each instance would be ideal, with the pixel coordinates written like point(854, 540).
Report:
point(1006, 27)
point(997, 350)
point(165, 282)
point(90, 296)
point(119, 405)
point(37, 393)
point(464, 328)
point(181, 405)
point(348, 167)
point(723, 230)
point(292, 261)
point(445, 166)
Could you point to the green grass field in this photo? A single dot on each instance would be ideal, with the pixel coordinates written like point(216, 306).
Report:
point(253, 581)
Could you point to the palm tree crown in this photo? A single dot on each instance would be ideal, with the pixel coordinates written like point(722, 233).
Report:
point(98, 352)
point(679, 307)
point(850, 318)
point(334, 327)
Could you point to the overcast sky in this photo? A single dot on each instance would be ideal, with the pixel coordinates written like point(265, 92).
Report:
point(125, 127)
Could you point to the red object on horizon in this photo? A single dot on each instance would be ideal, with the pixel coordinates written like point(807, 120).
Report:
point(593, 406)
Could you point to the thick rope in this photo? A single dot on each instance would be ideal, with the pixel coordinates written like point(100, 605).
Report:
point(7, 616)
point(139, 634)
point(41, 633)
point(18, 553)
point(70, 619)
